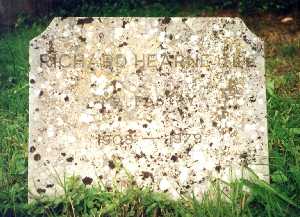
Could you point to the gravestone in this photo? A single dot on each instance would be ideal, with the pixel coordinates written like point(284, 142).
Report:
point(168, 103)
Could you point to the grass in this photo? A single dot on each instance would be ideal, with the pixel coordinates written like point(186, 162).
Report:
point(279, 198)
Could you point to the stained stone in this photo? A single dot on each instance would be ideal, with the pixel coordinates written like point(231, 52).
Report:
point(168, 103)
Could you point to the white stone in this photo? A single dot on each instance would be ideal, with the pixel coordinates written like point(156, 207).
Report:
point(164, 184)
point(193, 112)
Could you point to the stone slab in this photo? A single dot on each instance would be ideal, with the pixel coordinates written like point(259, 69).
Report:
point(169, 103)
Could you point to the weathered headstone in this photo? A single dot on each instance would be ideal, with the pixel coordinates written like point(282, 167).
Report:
point(169, 103)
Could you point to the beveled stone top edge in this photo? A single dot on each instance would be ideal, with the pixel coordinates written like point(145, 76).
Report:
point(240, 22)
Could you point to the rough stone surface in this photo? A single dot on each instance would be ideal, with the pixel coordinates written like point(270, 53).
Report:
point(170, 103)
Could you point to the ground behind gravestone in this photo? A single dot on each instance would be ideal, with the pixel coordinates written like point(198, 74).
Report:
point(280, 198)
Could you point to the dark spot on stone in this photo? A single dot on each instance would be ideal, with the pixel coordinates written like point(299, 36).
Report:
point(202, 75)
point(201, 121)
point(184, 19)
point(244, 155)
point(37, 157)
point(130, 131)
point(189, 50)
point(114, 82)
point(82, 39)
point(87, 180)
point(174, 158)
point(215, 33)
point(32, 149)
point(101, 35)
point(41, 190)
point(111, 164)
point(138, 156)
point(218, 168)
point(171, 37)
point(215, 124)
point(124, 24)
point(147, 175)
point(66, 99)
point(123, 44)
point(252, 99)
point(259, 137)
point(41, 93)
point(63, 154)
point(102, 110)
point(167, 93)
point(145, 125)
point(70, 159)
point(119, 118)
point(235, 107)
point(100, 177)
point(166, 20)
point(49, 185)
point(230, 129)
point(37, 109)
point(188, 149)
point(180, 112)
point(32, 81)
point(83, 21)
